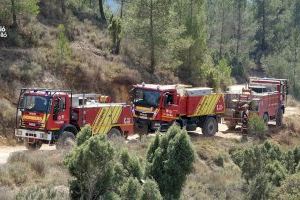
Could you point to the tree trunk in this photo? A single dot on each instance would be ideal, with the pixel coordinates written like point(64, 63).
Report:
point(189, 57)
point(152, 45)
point(263, 41)
point(222, 32)
point(102, 10)
point(63, 6)
point(296, 36)
point(118, 44)
point(13, 11)
point(121, 9)
point(239, 29)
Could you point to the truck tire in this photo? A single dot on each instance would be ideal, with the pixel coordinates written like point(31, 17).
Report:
point(210, 126)
point(114, 133)
point(65, 141)
point(279, 117)
point(33, 146)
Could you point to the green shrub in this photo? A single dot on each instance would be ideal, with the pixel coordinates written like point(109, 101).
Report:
point(150, 191)
point(131, 189)
point(91, 164)
point(131, 165)
point(169, 161)
point(260, 188)
point(237, 156)
point(265, 167)
point(289, 189)
point(63, 50)
point(111, 196)
point(257, 126)
point(106, 173)
point(253, 160)
point(115, 29)
point(84, 135)
point(275, 172)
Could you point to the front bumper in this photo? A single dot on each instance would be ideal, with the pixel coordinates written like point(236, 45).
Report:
point(149, 125)
point(33, 134)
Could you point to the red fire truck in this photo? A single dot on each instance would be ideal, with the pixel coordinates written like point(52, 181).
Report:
point(56, 116)
point(265, 97)
point(156, 107)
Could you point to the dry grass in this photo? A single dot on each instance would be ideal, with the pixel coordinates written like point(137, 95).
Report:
point(292, 102)
point(26, 170)
point(215, 176)
point(289, 135)
point(292, 123)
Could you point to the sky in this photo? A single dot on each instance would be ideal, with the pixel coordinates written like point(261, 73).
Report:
point(113, 5)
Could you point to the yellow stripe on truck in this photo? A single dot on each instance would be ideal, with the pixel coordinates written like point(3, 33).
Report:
point(104, 120)
point(100, 119)
point(207, 105)
point(115, 117)
point(108, 121)
point(96, 121)
point(107, 117)
point(210, 108)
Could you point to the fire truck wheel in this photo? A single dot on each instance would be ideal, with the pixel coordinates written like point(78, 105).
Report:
point(65, 141)
point(114, 133)
point(210, 126)
point(32, 146)
point(279, 117)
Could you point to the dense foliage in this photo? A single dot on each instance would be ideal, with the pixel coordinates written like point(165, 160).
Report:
point(266, 167)
point(202, 42)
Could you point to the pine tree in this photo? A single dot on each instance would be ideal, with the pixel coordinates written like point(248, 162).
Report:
point(151, 24)
point(63, 49)
point(171, 162)
point(191, 14)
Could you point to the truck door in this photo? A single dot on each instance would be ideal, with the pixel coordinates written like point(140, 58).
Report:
point(170, 110)
point(60, 113)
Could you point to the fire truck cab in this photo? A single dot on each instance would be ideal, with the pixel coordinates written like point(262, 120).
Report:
point(56, 116)
point(157, 107)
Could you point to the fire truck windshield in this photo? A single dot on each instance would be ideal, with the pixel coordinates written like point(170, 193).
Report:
point(35, 103)
point(147, 98)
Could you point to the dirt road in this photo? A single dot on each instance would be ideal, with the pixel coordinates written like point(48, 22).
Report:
point(6, 150)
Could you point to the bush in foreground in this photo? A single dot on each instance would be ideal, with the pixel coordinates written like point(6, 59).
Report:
point(257, 126)
point(169, 160)
point(84, 135)
point(101, 170)
point(265, 167)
